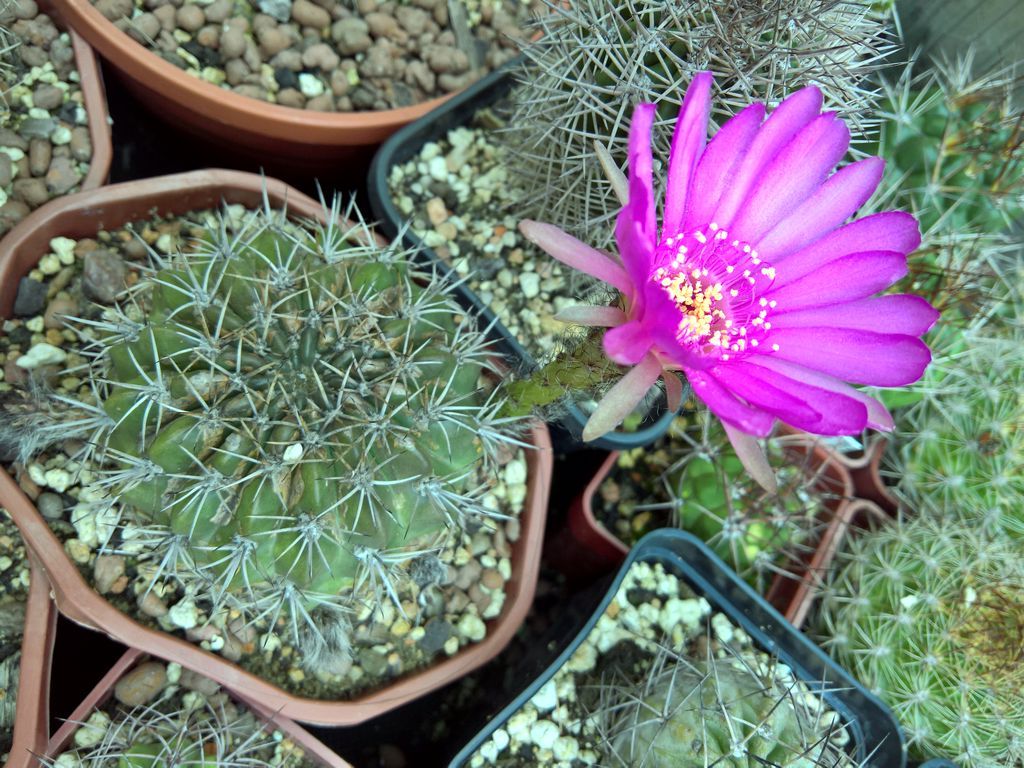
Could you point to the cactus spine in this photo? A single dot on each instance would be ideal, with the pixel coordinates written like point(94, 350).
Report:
point(292, 415)
point(593, 60)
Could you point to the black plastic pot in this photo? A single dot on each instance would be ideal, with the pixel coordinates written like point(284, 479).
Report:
point(878, 742)
point(406, 144)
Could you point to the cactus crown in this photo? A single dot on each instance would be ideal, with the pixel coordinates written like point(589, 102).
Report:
point(931, 617)
point(730, 709)
point(292, 413)
point(593, 61)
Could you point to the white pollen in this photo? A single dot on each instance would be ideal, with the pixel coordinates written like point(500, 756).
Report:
point(730, 269)
point(767, 326)
point(753, 342)
point(763, 302)
point(756, 261)
point(736, 243)
point(746, 249)
point(775, 347)
point(713, 226)
point(773, 303)
point(733, 292)
point(699, 237)
point(746, 273)
point(721, 235)
point(725, 357)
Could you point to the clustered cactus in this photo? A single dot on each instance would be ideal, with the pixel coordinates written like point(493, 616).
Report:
point(954, 146)
point(701, 485)
point(180, 727)
point(292, 416)
point(931, 617)
point(735, 711)
point(593, 61)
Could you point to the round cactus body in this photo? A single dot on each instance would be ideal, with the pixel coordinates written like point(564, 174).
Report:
point(932, 618)
point(299, 414)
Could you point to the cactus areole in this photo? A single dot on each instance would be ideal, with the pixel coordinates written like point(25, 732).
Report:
point(293, 416)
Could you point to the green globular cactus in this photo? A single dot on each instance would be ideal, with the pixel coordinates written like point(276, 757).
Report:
point(732, 712)
point(292, 415)
point(954, 148)
point(702, 485)
point(591, 62)
point(960, 448)
point(931, 617)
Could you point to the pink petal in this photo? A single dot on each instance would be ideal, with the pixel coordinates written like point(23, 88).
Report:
point(762, 394)
point(636, 228)
point(725, 406)
point(751, 456)
point(789, 179)
point(833, 203)
point(673, 390)
point(622, 398)
point(687, 144)
point(626, 344)
point(571, 252)
point(851, 277)
point(901, 314)
point(822, 411)
point(889, 231)
point(584, 314)
point(878, 416)
point(718, 165)
point(861, 357)
point(782, 125)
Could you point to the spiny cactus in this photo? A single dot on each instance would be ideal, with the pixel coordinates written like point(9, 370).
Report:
point(179, 728)
point(290, 415)
point(700, 483)
point(960, 448)
point(733, 711)
point(954, 146)
point(593, 61)
point(931, 617)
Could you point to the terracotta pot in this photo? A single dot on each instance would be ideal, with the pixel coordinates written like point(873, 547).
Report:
point(586, 549)
point(94, 98)
point(82, 215)
point(315, 751)
point(255, 127)
point(32, 714)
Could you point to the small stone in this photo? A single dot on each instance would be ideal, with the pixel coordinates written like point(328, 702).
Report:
point(47, 96)
point(437, 168)
point(436, 211)
point(351, 35)
point(472, 628)
point(492, 579)
point(42, 354)
point(232, 43)
point(78, 550)
point(106, 571)
point(218, 11)
point(58, 479)
point(322, 103)
point(308, 14)
point(413, 20)
point(382, 25)
point(32, 192)
point(529, 282)
point(310, 85)
point(544, 733)
point(103, 276)
point(190, 17)
point(184, 614)
point(445, 59)
point(198, 683)
point(141, 685)
point(31, 298)
point(81, 144)
point(50, 505)
point(273, 40)
point(290, 97)
point(151, 605)
point(6, 170)
point(144, 28)
point(279, 9)
point(39, 154)
point(378, 62)
point(93, 730)
point(419, 74)
point(63, 176)
point(115, 9)
point(321, 56)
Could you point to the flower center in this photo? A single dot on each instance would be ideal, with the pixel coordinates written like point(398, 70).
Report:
point(718, 286)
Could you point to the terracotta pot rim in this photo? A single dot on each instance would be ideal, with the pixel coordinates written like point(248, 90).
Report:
point(32, 710)
point(840, 512)
point(79, 602)
point(104, 689)
point(226, 106)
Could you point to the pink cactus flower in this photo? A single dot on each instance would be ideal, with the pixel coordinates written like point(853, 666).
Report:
point(755, 289)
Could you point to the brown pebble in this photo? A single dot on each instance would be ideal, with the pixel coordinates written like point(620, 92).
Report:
point(106, 570)
point(47, 96)
point(322, 103)
point(166, 15)
point(291, 97)
point(491, 579)
point(151, 605)
point(198, 683)
point(12, 212)
point(24, 481)
point(190, 17)
point(480, 598)
point(6, 169)
point(307, 14)
point(145, 28)
point(236, 71)
point(81, 144)
point(209, 36)
point(272, 40)
point(32, 192)
point(436, 211)
point(232, 43)
point(141, 685)
point(218, 11)
point(39, 153)
point(63, 176)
